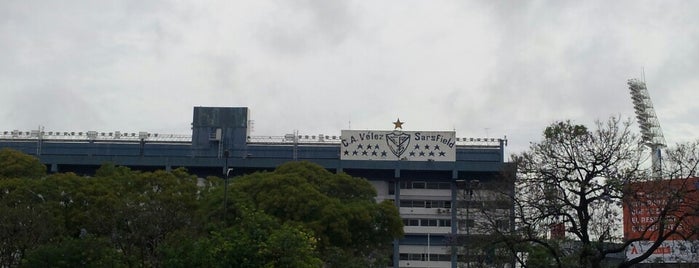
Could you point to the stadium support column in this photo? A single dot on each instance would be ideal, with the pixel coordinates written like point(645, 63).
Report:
point(396, 242)
point(454, 220)
point(503, 143)
point(454, 233)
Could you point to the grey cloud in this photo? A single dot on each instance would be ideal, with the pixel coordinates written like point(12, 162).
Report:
point(299, 27)
point(511, 67)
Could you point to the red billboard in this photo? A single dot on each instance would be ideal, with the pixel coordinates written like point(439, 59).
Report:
point(656, 208)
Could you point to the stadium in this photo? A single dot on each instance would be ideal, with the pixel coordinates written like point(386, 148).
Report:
point(437, 179)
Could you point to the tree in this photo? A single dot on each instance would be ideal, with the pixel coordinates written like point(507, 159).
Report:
point(254, 239)
point(339, 210)
point(148, 206)
point(485, 220)
point(663, 208)
point(131, 211)
point(87, 251)
point(301, 215)
point(578, 179)
point(27, 219)
point(15, 164)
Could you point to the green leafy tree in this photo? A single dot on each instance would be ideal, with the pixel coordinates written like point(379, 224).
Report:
point(15, 164)
point(254, 239)
point(27, 219)
point(150, 206)
point(298, 216)
point(88, 205)
point(339, 210)
point(87, 251)
point(132, 210)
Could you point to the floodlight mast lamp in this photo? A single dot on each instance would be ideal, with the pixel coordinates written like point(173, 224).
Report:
point(651, 133)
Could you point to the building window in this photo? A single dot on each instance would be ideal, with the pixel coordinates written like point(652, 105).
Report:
point(391, 187)
point(425, 204)
point(411, 222)
point(412, 257)
point(432, 185)
point(447, 204)
point(444, 223)
point(428, 222)
point(440, 257)
point(418, 185)
point(438, 185)
point(445, 185)
point(425, 185)
point(424, 257)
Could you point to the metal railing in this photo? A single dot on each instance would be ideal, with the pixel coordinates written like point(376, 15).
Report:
point(115, 136)
point(328, 139)
point(118, 136)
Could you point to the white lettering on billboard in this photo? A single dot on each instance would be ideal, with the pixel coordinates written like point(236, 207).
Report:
point(398, 145)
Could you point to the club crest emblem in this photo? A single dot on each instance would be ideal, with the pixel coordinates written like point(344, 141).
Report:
point(398, 142)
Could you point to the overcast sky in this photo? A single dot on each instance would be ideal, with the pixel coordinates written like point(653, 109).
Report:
point(482, 68)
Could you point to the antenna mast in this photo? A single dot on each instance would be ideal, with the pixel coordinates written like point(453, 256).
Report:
point(651, 133)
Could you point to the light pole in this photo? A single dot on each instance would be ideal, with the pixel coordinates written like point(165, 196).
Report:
point(468, 195)
point(226, 172)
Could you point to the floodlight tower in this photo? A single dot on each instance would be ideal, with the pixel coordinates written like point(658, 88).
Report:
point(651, 133)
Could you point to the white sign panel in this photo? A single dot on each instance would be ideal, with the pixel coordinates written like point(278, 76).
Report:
point(670, 251)
point(398, 145)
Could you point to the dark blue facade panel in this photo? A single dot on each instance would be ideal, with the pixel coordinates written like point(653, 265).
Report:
point(90, 149)
point(481, 175)
point(260, 151)
point(28, 147)
point(287, 151)
point(426, 174)
point(483, 155)
point(168, 150)
point(116, 149)
point(319, 152)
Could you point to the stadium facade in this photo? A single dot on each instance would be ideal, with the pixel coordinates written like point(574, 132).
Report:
point(436, 179)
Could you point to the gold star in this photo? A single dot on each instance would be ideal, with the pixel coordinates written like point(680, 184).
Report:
point(398, 124)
